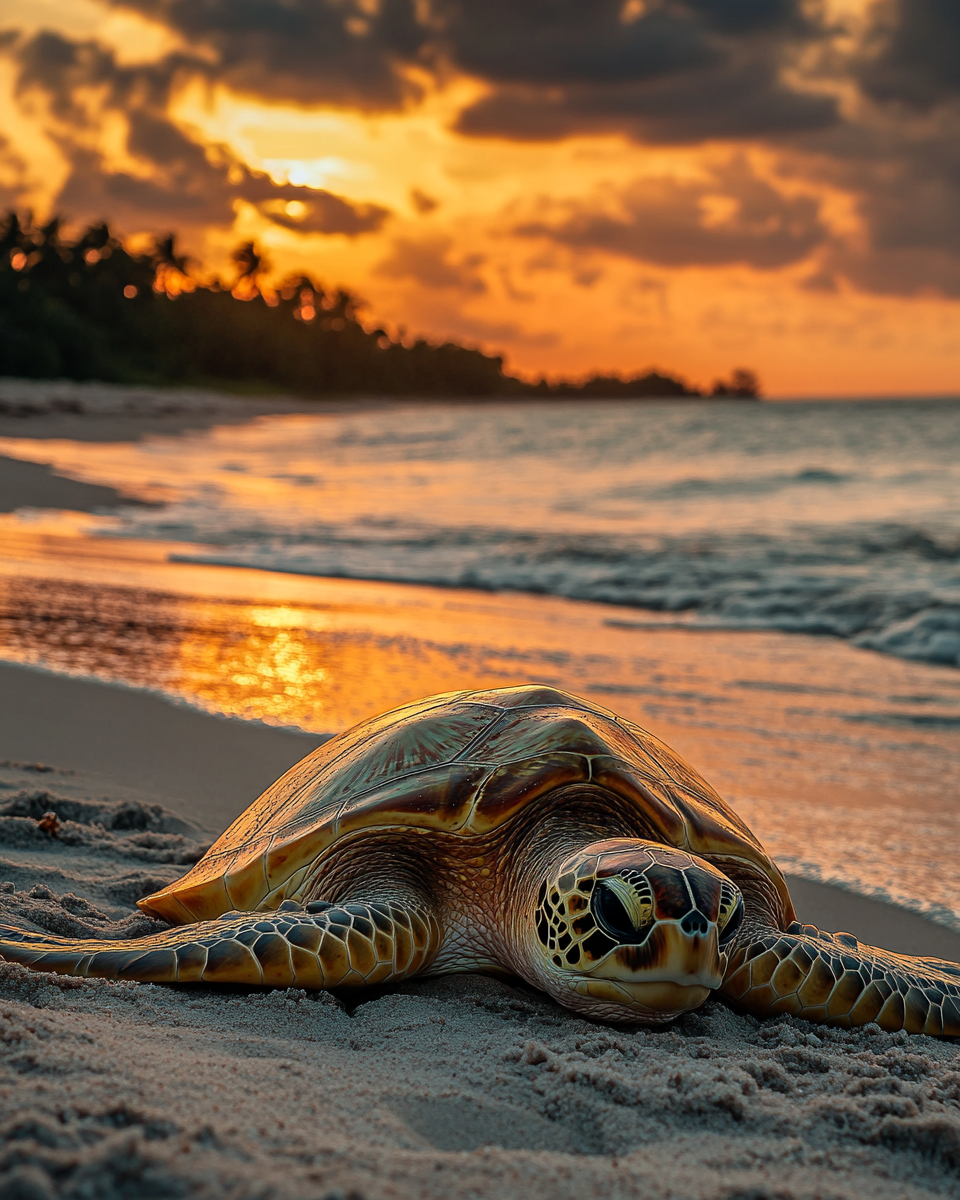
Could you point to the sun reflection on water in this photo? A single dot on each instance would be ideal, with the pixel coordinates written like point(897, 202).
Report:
point(262, 663)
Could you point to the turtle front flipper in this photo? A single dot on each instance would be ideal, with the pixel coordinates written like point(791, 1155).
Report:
point(833, 978)
point(321, 946)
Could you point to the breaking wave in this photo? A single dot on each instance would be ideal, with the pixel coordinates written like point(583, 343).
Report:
point(889, 588)
point(835, 519)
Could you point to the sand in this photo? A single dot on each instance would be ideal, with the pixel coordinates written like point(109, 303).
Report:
point(33, 485)
point(91, 412)
point(462, 1087)
point(97, 412)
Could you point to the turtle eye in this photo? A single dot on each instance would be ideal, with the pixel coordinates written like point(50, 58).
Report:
point(612, 916)
point(734, 921)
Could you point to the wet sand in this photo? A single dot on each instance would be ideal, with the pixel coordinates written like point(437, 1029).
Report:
point(86, 412)
point(33, 485)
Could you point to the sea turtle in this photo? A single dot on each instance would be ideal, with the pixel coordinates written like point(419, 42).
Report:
point(521, 832)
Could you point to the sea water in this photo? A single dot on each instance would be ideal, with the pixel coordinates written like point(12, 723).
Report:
point(827, 518)
point(773, 588)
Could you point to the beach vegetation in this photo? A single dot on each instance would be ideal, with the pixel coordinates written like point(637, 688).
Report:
point(91, 308)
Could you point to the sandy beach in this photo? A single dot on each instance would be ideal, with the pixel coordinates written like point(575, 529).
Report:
point(449, 1088)
point(464, 1087)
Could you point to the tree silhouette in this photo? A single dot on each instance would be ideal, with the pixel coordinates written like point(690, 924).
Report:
point(742, 384)
point(171, 270)
point(251, 267)
point(89, 309)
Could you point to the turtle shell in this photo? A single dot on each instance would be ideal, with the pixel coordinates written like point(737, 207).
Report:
point(462, 763)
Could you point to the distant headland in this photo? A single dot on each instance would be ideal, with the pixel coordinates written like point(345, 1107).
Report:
point(88, 308)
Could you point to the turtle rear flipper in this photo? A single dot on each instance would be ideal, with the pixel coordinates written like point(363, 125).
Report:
point(835, 979)
point(351, 945)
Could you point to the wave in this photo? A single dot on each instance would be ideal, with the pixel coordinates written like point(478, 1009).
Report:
point(754, 486)
point(890, 588)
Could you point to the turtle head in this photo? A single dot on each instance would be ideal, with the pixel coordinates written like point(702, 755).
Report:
point(635, 932)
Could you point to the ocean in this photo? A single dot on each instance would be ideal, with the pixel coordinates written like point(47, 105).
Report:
point(839, 519)
point(774, 588)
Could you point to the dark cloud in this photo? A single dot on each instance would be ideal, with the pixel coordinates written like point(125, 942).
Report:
point(423, 202)
point(660, 71)
point(738, 101)
point(666, 70)
point(907, 186)
point(179, 183)
point(308, 51)
point(182, 182)
point(679, 72)
point(912, 54)
point(323, 211)
point(429, 263)
point(61, 68)
point(752, 16)
point(569, 43)
point(736, 218)
point(93, 192)
point(901, 169)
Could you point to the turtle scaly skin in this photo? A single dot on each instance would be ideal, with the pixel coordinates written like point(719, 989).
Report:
point(520, 832)
point(834, 979)
point(351, 946)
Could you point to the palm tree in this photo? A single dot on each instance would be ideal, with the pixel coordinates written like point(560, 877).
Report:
point(251, 267)
point(171, 270)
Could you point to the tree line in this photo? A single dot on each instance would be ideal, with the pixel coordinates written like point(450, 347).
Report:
point(89, 308)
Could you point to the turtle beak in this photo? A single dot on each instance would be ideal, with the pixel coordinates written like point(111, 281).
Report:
point(673, 972)
point(669, 954)
point(654, 1002)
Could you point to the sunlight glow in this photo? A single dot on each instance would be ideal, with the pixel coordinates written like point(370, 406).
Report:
point(533, 249)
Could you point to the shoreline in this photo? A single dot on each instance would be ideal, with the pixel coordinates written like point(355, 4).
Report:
point(34, 485)
point(48, 410)
point(749, 580)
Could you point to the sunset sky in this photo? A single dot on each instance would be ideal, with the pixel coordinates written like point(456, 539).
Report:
point(578, 184)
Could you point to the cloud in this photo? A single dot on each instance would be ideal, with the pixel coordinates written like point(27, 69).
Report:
point(667, 72)
point(912, 53)
point(170, 177)
point(900, 164)
point(681, 72)
point(908, 204)
point(737, 101)
point(670, 70)
point(566, 42)
point(428, 262)
point(346, 52)
point(423, 202)
point(734, 218)
point(308, 210)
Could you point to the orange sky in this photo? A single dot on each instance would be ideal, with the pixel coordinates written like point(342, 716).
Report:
point(690, 185)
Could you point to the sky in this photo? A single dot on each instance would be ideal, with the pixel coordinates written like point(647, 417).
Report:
point(580, 185)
